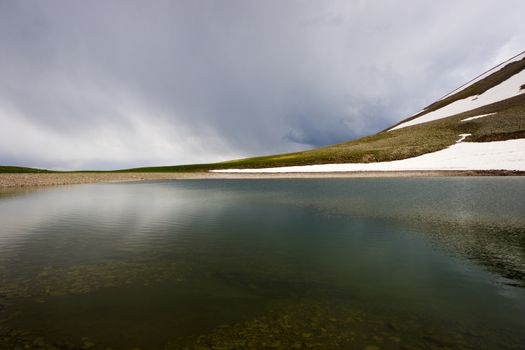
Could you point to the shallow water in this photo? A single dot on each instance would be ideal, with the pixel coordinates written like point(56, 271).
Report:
point(231, 264)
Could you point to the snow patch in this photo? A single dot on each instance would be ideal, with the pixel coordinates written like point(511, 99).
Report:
point(486, 74)
point(506, 89)
point(462, 137)
point(497, 155)
point(478, 116)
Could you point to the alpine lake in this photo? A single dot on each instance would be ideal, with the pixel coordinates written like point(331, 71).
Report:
point(370, 263)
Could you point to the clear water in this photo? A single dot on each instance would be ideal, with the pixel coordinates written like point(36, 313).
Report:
point(286, 264)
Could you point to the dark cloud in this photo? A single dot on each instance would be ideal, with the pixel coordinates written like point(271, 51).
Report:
point(104, 84)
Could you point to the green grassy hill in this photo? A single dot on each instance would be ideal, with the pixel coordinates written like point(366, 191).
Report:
point(410, 141)
point(18, 169)
point(477, 88)
point(407, 142)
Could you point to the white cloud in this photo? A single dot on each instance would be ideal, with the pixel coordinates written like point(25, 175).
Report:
point(130, 83)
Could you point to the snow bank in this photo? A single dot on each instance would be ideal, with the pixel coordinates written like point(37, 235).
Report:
point(507, 89)
point(486, 74)
point(478, 116)
point(462, 137)
point(498, 155)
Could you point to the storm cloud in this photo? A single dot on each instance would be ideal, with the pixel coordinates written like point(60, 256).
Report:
point(110, 84)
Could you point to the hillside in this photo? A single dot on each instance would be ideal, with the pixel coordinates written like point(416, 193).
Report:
point(491, 107)
point(18, 169)
point(499, 83)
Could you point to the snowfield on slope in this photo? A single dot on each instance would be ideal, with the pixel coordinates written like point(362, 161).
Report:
point(478, 116)
point(518, 57)
point(507, 89)
point(498, 155)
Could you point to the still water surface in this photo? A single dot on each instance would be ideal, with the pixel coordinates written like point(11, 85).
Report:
point(418, 263)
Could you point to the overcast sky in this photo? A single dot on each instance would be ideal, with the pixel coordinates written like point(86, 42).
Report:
point(112, 84)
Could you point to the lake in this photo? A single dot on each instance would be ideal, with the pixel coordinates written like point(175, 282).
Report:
point(386, 263)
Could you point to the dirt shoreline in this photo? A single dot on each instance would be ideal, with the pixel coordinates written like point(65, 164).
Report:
point(55, 179)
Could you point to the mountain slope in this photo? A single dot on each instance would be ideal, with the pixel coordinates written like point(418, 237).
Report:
point(491, 107)
point(502, 82)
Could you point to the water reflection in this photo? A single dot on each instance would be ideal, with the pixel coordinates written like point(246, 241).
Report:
point(266, 263)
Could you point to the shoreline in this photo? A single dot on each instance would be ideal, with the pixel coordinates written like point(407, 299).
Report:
point(18, 180)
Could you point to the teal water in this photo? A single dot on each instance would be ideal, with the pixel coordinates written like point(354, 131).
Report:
point(417, 263)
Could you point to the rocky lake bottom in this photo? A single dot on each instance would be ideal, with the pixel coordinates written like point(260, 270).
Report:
point(390, 263)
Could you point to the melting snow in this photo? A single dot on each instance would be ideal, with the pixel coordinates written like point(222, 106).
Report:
point(462, 137)
point(477, 117)
point(498, 155)
point(486, 74)
point(502, 91)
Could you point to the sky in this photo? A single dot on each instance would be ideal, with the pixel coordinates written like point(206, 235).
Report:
point(116, 84)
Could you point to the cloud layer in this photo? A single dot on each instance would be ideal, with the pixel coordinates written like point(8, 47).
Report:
point(109, 84)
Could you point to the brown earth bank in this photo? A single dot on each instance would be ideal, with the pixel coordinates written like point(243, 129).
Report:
point(53, 179)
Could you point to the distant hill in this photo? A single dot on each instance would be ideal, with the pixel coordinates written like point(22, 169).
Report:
point(18, 169)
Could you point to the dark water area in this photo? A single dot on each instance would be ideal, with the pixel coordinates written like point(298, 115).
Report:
point(422, 263)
